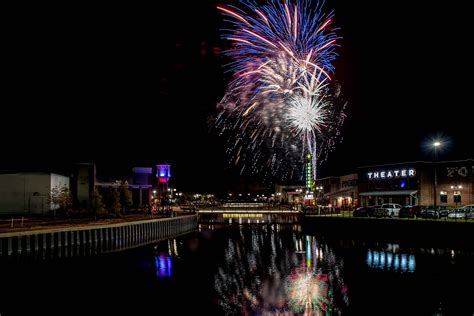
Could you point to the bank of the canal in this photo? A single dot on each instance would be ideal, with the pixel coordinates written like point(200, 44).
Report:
point(91, 239)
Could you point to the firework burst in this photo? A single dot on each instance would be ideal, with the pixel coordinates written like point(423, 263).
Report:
point(308, 293)
point(276, 106)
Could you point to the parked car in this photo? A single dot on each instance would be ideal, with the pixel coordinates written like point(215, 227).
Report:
point(443, 211)
point(429, 212)
point(469, 207)
point(364, 211)
point(388, 209)
point(410, 211)
point(465, 212)
point(459, 213)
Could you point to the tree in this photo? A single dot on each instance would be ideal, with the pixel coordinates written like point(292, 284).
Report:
point(114, 202)
point(125, 196)
point(97, 203)
point(60, 198)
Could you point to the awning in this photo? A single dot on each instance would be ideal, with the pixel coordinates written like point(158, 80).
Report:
point(345, 191)
point(382, 193)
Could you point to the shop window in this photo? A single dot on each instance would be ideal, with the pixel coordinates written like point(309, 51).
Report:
point(457, 196)
point(443, 197)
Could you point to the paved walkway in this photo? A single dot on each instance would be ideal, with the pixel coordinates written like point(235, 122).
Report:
point(40, 223)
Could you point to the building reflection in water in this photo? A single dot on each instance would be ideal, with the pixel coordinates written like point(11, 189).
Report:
point(164, 261)
point(391, 260)
point(163, 264)
point(264, 273)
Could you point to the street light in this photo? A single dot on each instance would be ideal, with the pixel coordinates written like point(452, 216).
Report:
point(436, 145)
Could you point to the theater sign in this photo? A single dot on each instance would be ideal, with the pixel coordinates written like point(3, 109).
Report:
point(391, 174)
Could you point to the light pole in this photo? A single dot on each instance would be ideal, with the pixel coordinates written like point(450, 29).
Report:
point(299, 196)
point(436, 145)
point(319, 190)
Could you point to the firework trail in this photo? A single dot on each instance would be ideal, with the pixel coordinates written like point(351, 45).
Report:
point(278, 104)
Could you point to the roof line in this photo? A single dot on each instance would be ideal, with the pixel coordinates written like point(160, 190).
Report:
point(418, 161)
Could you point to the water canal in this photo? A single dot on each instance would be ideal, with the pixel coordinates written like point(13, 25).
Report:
point(274, 269)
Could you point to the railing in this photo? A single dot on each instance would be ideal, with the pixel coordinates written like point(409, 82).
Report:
point(90, 240)
point(427, 215)
point(13, 220)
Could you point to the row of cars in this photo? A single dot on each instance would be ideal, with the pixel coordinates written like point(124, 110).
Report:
point(415, 211)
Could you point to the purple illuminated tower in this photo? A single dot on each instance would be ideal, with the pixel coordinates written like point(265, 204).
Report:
point(163, 174)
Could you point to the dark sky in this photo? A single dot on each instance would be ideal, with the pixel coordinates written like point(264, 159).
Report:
point(134, 85)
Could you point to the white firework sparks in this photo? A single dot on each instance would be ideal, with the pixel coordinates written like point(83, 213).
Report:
point(307, 115)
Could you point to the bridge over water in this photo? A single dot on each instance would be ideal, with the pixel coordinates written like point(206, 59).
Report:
point(249, 213)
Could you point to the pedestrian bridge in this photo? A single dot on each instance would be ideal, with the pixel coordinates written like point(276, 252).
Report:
point(249, 208)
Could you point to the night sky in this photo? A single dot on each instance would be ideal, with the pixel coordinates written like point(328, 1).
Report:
point(135, 85)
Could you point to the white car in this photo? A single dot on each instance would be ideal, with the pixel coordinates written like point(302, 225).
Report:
point(459, 213)
point(462, 212)
point(388, 209)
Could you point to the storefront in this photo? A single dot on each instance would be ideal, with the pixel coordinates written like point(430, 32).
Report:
point(414, 183)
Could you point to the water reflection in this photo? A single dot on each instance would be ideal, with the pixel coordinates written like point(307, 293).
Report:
point(398, 262)
point(164, 259)
point(163, 264)
point(265, 273)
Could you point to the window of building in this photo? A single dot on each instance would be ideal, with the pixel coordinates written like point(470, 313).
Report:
point(443, 197)
point(457, 196)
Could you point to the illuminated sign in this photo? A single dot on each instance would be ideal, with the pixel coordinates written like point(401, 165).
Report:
point(309, 171)
point(390, 174)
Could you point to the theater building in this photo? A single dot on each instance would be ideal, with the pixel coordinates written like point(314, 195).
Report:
point(413, 183)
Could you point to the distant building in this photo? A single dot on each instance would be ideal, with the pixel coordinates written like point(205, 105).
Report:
point(289, 193)
point(338, 192)
point(140, 185)
point(28, 193)
point(347, 195)
point(83, 183)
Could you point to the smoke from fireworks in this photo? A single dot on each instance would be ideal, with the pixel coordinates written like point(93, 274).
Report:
point(280, 103)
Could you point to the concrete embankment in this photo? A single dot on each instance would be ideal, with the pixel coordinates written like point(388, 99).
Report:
point(90, 240)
